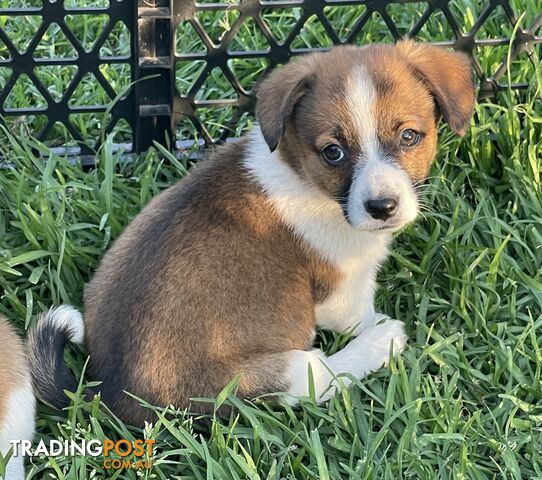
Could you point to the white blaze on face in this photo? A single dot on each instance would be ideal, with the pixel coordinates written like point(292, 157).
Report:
point(374, 176)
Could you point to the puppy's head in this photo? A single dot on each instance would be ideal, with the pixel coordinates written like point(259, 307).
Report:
point(360, 123)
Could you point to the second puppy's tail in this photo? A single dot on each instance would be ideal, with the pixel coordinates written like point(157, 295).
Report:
point(46, 344)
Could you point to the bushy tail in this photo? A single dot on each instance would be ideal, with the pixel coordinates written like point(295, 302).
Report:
point(46, 343)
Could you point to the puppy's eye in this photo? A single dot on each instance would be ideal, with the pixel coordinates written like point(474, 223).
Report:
point(333, 154)
point(410, 137)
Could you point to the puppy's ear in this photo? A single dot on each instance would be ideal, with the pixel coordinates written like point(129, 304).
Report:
point(277, 96)
point(448, 75)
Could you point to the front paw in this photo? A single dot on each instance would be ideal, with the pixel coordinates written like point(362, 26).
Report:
point(369, 322)
point(375, 343)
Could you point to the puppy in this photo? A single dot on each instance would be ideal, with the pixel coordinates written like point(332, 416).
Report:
point(17, 403)
point(230, 271)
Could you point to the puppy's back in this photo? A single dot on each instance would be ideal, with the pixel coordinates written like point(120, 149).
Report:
point(17, 402)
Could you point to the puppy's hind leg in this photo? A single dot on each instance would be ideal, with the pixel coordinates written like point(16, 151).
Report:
point(288, 371)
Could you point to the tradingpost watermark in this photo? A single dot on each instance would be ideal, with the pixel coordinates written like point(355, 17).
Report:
point(117, 454)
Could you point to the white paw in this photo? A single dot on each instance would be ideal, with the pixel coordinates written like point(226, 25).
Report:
point(369, 322)
point(373, 346)
point(381, 317)
point(385, 334)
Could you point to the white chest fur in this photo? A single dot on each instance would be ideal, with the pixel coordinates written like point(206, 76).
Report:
point(351, 303)
point(319, 220)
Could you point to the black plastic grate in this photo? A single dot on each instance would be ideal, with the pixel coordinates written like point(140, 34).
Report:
point(62, 63)
point(315, 24)
point(194, 64)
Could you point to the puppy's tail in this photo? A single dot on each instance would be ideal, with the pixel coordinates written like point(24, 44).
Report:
point(46, 343)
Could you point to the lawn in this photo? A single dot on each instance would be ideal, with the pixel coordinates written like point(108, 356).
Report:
point(465, 398)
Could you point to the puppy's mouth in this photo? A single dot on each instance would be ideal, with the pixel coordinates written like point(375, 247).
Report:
point(394, 227)
point(370, 225)
point(371, 228)
point(362, 219)
point(385, 228)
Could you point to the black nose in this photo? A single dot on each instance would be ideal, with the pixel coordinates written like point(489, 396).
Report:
point(381, 208)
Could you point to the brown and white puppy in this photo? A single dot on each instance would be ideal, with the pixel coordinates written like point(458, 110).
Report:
point(231, 270)
point(17, 402)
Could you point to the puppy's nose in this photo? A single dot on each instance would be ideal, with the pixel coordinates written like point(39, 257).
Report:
point(381, 208)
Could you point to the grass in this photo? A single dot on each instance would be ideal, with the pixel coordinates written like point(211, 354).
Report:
point(463, 401)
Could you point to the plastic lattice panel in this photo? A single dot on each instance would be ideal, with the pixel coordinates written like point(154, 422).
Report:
point(62, 65)
point(66, 66)
point(222, 47)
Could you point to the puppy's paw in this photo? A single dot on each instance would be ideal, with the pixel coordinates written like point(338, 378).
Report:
point(386, 332)
point(374, 319)
point(375, 343)
point(381, 318)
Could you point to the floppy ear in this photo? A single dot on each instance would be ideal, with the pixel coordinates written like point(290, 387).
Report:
point(278, 95)
point(448, 75)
